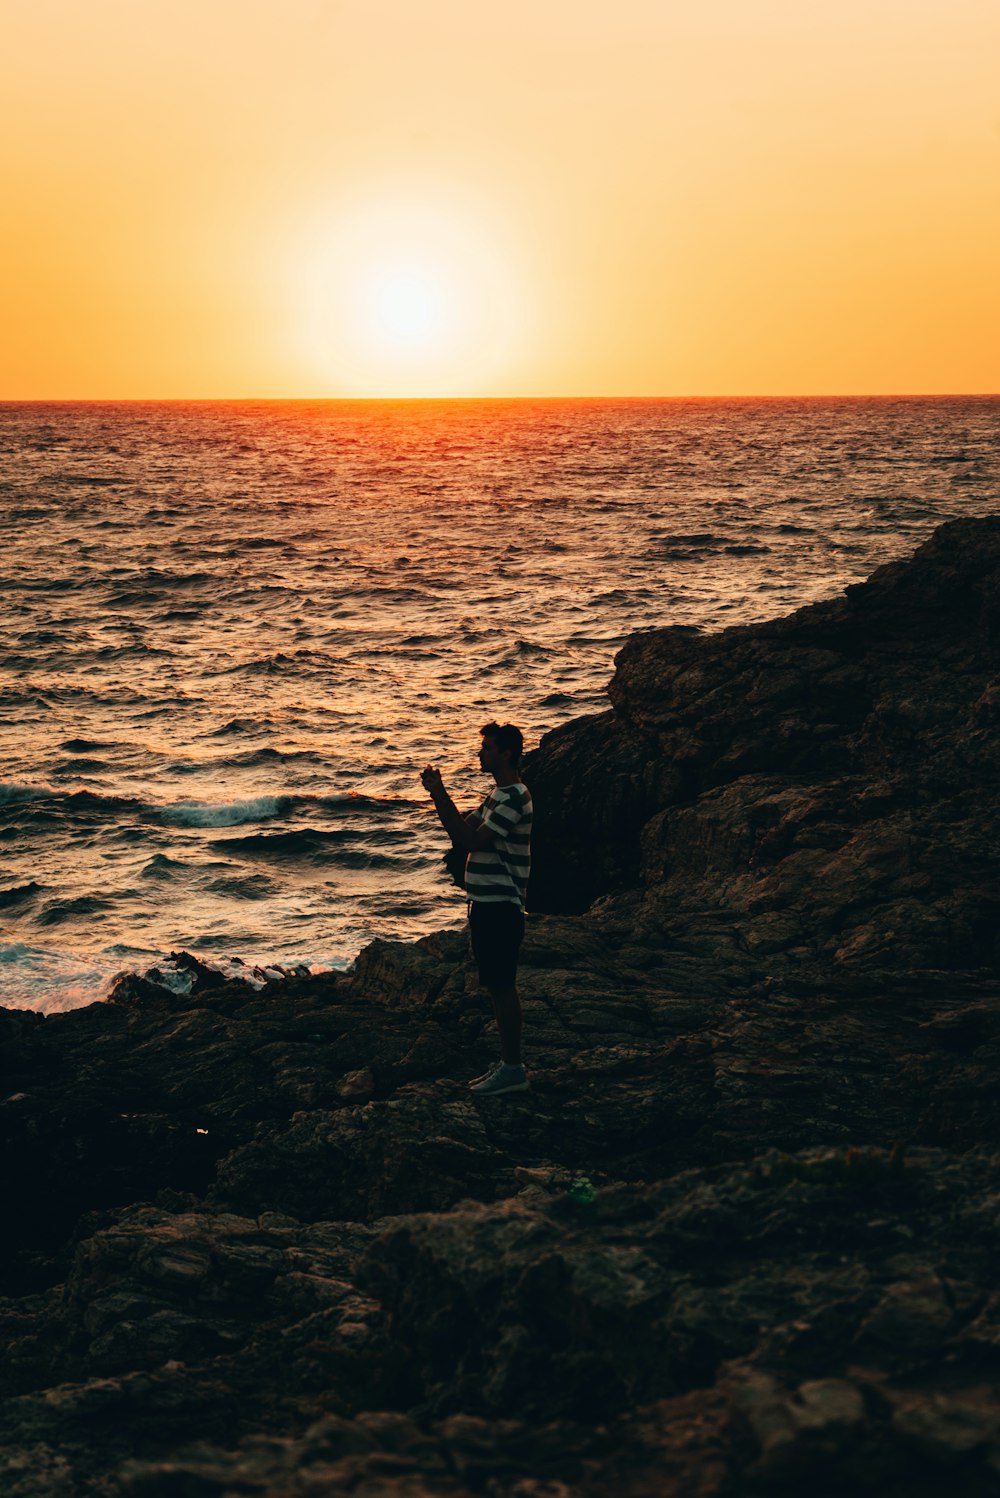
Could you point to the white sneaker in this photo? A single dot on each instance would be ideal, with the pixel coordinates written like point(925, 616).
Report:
point(486, 1074)
point(506, 1078)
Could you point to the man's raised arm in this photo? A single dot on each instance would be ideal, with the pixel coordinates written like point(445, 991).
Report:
point(463, 833)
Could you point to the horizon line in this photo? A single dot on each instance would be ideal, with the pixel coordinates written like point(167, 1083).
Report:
point(82, 400)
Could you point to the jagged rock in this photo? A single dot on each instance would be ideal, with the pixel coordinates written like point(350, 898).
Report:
point(825, 778)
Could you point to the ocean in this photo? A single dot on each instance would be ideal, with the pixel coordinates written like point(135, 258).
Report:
point(234, 633)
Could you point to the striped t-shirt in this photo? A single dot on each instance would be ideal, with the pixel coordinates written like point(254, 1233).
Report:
point(499, 874)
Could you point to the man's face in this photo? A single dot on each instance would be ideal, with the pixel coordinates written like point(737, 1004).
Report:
point(491, 758)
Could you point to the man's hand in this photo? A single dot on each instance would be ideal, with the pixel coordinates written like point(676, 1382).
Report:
point(430, 779)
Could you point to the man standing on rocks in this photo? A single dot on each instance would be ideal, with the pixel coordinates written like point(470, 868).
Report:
point(497, 837)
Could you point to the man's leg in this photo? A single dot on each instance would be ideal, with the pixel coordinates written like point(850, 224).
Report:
point(507, 1012)
point(497, 933)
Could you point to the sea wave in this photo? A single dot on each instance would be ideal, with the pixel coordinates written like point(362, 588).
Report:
point(94, 801)
point(191, 812)
point(226, 813)
point(245, 887)
point(13, 791)
point(82, 767)
point(85, 746)
point(79, 907)
point(17, 894)
point(355, 801)
point(180, 970)
point(252, 758)
point(161, 866)
point(51, 981)
point(299, 842)
point(241, 725)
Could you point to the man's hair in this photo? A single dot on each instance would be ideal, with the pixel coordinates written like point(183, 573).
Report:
point(506, 737)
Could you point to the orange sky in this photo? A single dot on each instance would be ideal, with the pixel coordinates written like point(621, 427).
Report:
point(224, 198)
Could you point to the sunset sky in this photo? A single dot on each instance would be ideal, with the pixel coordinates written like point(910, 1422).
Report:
point(225, 198)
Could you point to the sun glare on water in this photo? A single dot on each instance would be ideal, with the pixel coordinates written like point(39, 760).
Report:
point(402, 297)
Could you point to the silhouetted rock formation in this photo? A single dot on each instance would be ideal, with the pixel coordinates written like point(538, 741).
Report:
point(741, 1237)
point(825, 779)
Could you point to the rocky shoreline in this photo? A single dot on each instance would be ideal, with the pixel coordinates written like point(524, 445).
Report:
point(742, 1236)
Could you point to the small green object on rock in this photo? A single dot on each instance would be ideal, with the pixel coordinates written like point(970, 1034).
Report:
point(581, 1191)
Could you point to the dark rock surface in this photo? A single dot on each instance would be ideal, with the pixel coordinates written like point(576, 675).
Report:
point(741, 1237)
point(825, 778)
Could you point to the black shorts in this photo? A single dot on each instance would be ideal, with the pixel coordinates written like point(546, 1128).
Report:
point(496, 932)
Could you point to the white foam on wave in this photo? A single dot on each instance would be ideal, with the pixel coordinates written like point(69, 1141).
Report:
point(167, 973)
point(180, 979)
point(224, 813)
point(19, 790)
point(51, 981)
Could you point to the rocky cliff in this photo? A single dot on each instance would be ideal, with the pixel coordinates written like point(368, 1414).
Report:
point(742, 1236)
point(825, 779)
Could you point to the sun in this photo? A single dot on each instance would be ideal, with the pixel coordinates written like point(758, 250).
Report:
point(410, 293)
point(407, 307)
